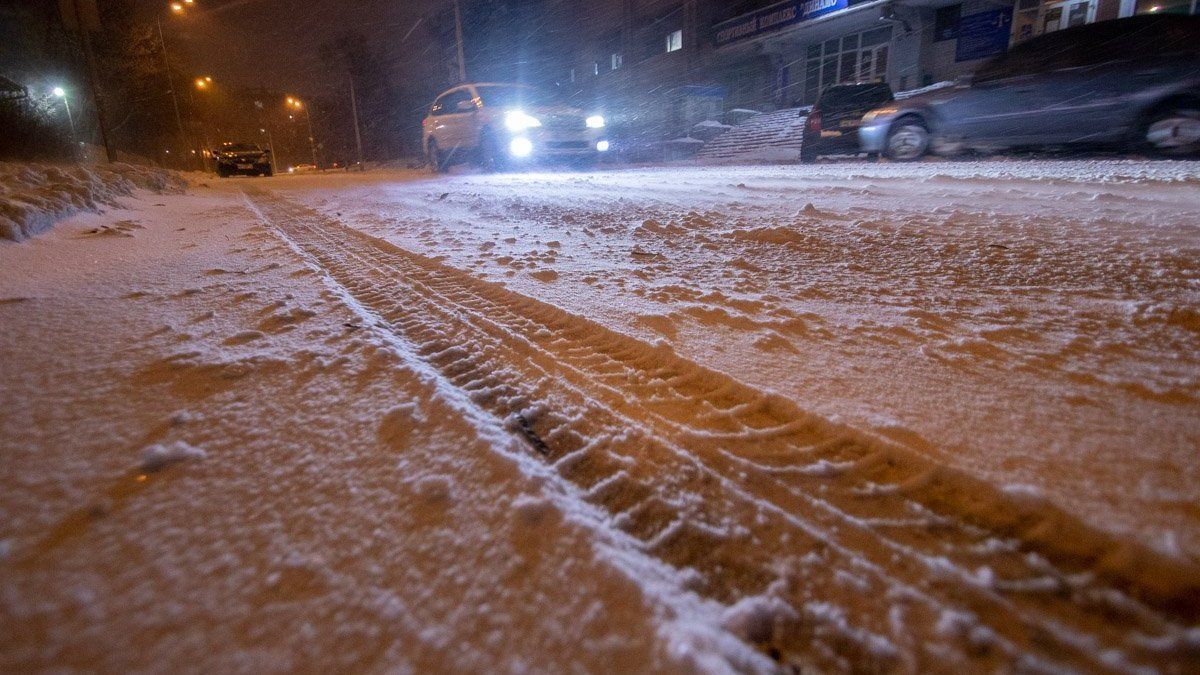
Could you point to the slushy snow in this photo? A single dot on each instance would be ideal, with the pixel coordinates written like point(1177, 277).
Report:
point(831, 418)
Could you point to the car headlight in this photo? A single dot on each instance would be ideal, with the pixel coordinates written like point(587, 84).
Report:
point(595, 122)
point(517, 121)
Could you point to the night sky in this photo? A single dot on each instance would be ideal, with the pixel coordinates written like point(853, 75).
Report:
point(275, 43)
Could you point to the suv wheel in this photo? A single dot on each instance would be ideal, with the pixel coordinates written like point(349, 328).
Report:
point(908, 140)
point(437, 162)
point(1173, 131)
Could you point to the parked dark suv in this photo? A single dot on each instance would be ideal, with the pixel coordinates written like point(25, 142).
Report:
point(1132, 81)
point(247, 158)
point(832, 125)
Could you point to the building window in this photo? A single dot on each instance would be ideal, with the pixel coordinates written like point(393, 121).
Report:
point(675, 40)
point(860, 57)
point(1165, 7)
point(617, 60)
point(595, 68)
point(571, 75)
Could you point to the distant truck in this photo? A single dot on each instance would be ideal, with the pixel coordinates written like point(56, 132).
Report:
point(250, 159)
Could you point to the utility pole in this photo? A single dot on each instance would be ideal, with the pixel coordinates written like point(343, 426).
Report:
point(354, 112)
point(171, 87)
point(85, 23)
point(265, 127)
point(312, 141)
point(458, 37)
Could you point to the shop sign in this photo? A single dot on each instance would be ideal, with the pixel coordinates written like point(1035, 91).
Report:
point(775, 17)
point(983, 34)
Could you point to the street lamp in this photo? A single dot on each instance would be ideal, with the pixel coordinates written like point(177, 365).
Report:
point(294, 102)
point(177, 8)
point(62, 93)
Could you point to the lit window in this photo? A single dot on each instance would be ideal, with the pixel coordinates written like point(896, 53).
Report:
point(596, 68)
point(571, 76)
point(617, 61)
point(675, 41)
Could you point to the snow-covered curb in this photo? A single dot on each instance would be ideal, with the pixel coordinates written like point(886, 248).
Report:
point(33, 197)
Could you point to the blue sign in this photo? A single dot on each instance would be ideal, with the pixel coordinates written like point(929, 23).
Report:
point(984, 34)
point(775, 17)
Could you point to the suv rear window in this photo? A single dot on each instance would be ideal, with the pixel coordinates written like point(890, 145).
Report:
point(240, 147)
point(855, 96)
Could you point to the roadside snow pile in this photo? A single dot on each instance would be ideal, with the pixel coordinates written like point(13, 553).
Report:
point(900, 95)
point(33, 197)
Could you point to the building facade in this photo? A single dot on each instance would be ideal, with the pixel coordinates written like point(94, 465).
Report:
point(661, 66)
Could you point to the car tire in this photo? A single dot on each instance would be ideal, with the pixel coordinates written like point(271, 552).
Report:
point(268, 172)
point(437, 163)
point(1172, 131)
point(223, 173)
point(907, 140)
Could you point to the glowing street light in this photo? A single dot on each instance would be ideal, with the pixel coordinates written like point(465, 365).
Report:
point(203, 82)
point(296, 103)
point(59, 92)
point(176, 8)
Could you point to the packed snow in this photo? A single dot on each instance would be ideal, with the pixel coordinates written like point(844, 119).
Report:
point(842, 417)
point(35, 196)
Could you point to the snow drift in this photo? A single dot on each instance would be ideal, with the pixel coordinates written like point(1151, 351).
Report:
point(33, 197)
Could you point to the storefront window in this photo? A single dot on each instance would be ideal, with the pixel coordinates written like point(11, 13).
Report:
point(1165, 7)
point(860, 57)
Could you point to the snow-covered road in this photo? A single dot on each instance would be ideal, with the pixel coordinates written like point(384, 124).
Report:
point(923, 418)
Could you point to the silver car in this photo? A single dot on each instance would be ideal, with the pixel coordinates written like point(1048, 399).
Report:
point(501, 125)
point(1132, 81)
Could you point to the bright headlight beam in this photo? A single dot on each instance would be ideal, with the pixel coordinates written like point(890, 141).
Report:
point(517, 121)
point(595, 121)
point(520, 147)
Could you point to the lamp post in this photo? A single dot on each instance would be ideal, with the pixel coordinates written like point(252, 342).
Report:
point(62, 93)
point(458, 39)
point(204, 84)
point(177, 7)
point(312, 142)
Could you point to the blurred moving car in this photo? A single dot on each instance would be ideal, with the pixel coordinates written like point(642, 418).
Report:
point(832, 125)
point(1129, 81)
point(302, 168)
point(245, 158)
point(500, 124)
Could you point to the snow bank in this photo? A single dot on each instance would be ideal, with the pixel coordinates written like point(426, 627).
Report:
point(33, 197)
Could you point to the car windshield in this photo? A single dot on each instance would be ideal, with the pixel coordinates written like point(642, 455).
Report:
point(515, 97)
point(239, 147)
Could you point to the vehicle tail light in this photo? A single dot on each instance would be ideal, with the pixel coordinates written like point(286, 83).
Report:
point(814, 122)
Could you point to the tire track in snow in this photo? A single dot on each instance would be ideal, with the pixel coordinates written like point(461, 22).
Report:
point(829, 549)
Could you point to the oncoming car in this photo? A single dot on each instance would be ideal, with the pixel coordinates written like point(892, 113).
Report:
point(502, 124)
point(248, 158)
